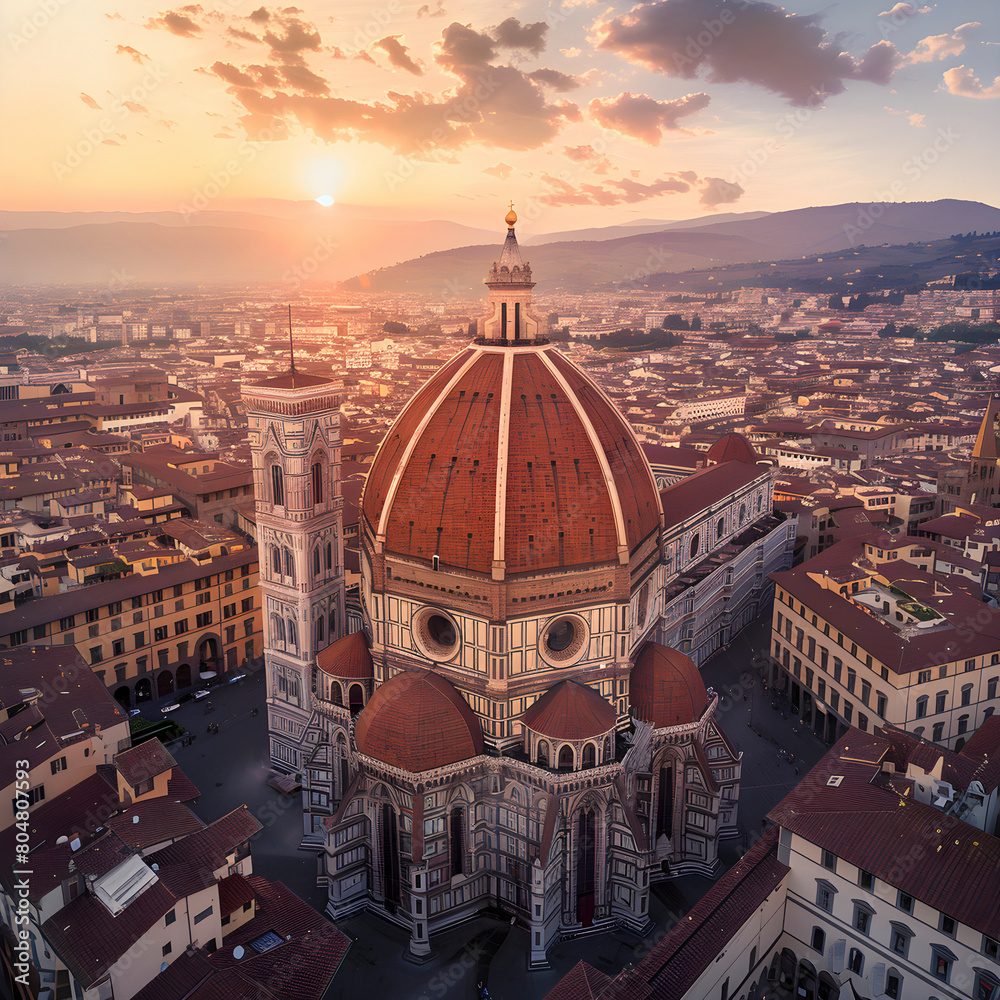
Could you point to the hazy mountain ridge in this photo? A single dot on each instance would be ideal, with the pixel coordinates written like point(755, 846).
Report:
point(294, 242)
point(580, 266)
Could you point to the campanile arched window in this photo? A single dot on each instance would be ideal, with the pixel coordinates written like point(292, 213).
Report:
point(277, 485)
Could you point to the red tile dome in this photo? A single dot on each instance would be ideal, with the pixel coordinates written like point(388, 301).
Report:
point(733, 447)
point(666, 687)
point(347, 657)
point(417, 721)
point(511, 460)
point(570, 711)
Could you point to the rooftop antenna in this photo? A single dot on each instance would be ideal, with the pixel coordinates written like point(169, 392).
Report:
point(291, 342)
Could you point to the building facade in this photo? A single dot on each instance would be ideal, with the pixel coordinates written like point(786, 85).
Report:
point(509, 729)
point(294, 423)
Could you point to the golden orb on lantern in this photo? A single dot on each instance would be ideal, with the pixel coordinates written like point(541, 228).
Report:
point(511, 217)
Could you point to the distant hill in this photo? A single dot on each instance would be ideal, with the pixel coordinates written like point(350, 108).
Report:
point(638, 227)
point(583, 265)
point(210, 247)
point(847, 272)
point(275, 241)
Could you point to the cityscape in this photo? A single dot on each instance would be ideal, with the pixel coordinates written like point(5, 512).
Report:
point(500, 504)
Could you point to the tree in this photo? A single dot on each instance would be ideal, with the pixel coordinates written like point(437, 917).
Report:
point(391, 326)
point(695, 322)
point(675, 321)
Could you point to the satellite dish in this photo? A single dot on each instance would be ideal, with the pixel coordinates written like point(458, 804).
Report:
point(135, 819)
point(238, 951)
point(62, 840)
point(155, 867)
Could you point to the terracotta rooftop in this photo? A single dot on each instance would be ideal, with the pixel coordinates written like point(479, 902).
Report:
point(666, 687)
point(144, 762)
point(348, 657)
point(705, 487)
point(543, 441)
point(874, 828)
point(732, 447)
point(417, 720)
point(234, 891)
point(570, 711)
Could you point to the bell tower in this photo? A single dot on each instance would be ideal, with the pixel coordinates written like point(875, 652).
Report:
point(510, 317)
point(294, 425)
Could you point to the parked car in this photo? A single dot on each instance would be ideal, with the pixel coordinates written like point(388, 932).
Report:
point(172, 707)
point(201, 693)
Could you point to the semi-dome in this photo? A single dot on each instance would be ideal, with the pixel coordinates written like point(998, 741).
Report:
point(417, 721)
point(510, 460)
point(348, 657)
point(570, 711)
point(733, 447)
point(666, 687)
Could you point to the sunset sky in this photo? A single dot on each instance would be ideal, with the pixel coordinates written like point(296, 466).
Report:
point(445, 109)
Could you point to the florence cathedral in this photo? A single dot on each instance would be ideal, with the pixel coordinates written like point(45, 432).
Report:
point(520, 724)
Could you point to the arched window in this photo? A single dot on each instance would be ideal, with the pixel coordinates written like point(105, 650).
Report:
point(720, 528)
point(331, 621)
point(277, 486)
point(743, 512)
point(319, 630)
point(542, 757)
point(566, 757)
point(329, 556)
point(456, 832)
point(856, 961)
point(317, 483)
point(316, 569)
point(293, 633)
point(277, 628)
point(589, 755)
point(607, 750)
point(276, 560)
point(289, 565)
point(695, 545)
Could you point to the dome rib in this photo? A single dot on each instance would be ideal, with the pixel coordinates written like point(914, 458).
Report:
point(602, 458)
point(418, 721)
point(415, 437)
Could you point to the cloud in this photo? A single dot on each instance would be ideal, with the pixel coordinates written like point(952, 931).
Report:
point(788, 54)
point(247, 36)
point(426, 11)
point(89, 101)
point(900, 10)
point(490, 104)
point(962, 82)
point(571, 53)
point(135, 108)
point(716, 191)
point(597, 162)
point(626, 191)
point(114, 17)
point(178, 22)
point(398, 54)
point(511, 34)
point(500, 170)
point(558, 81)
point(642, 117)
point(936, 47)
point(134, 54)
point(916, 120)
point(110, 142)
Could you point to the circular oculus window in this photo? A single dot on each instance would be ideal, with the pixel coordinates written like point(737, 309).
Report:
point(564, 640)
point(436, 634)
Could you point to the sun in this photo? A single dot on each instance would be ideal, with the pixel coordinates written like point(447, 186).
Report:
point(326, 200)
